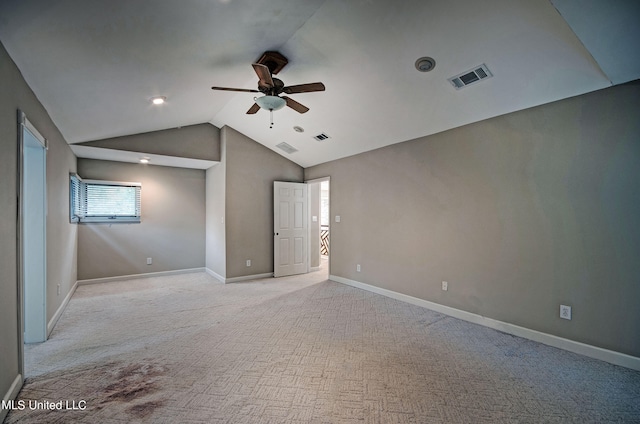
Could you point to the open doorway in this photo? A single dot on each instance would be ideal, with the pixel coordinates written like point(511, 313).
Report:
point(32, 217)
point(320, 227)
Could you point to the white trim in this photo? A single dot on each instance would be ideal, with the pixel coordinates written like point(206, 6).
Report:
point(215, 275)
point(248, 277)
point(54, 320)
point(11, 394)
point(112, 183)
point(136, 276)
point(237, 279)
point(595, 352)
point(318, 180)
point(33, 130)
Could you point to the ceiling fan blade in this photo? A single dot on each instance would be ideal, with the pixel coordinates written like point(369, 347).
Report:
point(253, 109)
point(264, 74)
point(304, 88)
point(246, 90)
point(295, 105)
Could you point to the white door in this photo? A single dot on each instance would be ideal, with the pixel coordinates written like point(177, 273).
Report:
point(290, 228)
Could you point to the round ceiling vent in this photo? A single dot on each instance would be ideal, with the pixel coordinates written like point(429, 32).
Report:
point(425, 64)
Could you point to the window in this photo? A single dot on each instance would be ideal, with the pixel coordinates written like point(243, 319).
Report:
point(103, 201)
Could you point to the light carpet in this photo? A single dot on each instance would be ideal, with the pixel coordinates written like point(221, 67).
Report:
point(302, 349)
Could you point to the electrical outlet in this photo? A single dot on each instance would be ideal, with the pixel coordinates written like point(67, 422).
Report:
point(248, 262)
point(149, 261)
point(358, 269)
point(445, 286)
point(565, 312)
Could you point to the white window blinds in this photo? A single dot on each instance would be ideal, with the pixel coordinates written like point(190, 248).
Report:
point(104, 201)
point(75, 211)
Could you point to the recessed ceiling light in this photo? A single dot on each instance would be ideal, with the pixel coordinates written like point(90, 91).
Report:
point(158, 100)
point(144, 160)
point(425, 64)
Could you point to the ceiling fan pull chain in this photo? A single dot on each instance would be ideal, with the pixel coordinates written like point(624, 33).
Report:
point(271, 113)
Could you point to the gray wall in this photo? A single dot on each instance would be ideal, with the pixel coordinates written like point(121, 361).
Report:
point(172, 231)
point(61, 236)
point(250, 170)
point(216, 244)
point(520, 213)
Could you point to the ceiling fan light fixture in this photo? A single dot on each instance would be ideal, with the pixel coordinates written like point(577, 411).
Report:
point(271, 102)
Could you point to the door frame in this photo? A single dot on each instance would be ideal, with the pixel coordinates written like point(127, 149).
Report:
point(320, 180)
point(25, 125)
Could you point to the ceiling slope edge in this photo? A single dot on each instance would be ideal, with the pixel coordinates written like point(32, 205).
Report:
point(198, 142)
point(115, 155)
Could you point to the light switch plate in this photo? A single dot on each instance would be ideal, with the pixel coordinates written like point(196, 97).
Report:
point(337, 218)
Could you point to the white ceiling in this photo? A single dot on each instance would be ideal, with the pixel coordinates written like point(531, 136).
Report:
point(94, 64)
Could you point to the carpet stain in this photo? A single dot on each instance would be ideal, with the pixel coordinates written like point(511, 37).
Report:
point(143, 410)
point(134, 384)
point(133, 381)
point(134, 388)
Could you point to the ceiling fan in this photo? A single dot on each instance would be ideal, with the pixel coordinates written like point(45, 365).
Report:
point(268, 65)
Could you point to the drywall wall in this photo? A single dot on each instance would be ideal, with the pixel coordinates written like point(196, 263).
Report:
point(216, 244)
point(520, 213)
point(172, 231)
point(251, 170)
point(201, 141)
point(61, 236)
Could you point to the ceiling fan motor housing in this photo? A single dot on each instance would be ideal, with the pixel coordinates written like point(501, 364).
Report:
point(278, 85)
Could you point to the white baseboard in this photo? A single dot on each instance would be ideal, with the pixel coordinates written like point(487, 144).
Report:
point(63, 306)
point(11, 394)
point(215, 275)
point(134, 276)
point(238, 279)
point(595, 352)
point(249, 277)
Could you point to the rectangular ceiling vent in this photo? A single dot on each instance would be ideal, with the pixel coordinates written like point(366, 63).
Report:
point(287, 147)
point(321, 137)
point(472, 76)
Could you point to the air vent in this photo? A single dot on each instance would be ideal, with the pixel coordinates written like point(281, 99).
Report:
point(321, 137)
point(287, 147)
point(474, 75)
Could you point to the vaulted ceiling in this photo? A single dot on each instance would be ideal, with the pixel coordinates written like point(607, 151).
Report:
point(95, 64)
